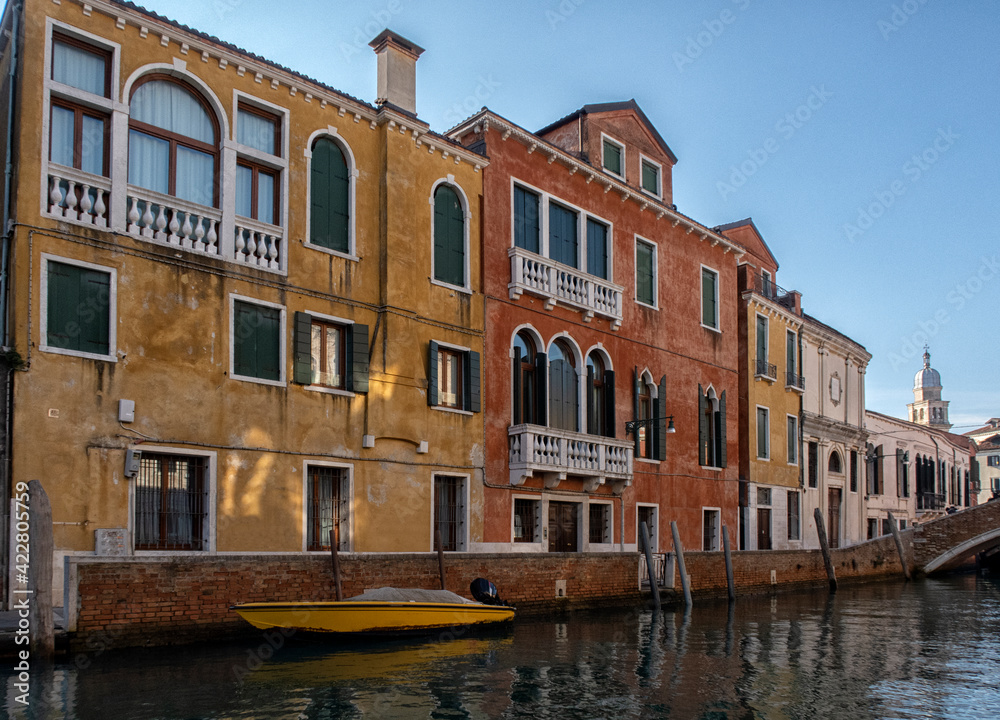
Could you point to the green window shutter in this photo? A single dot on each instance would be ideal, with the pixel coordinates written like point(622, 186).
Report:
point(636, 391)
point(449, 237)
point(790, 364)
point(563, 242)
point(79, 308)
point(612, 158)
point(591, 396)
point(709, 311)
point(703, 428)
point(721, 431)
point(357, 358)
point(471, 391)
point(644, 273)
point(244, 345)
point(256, 341)
point(302, 344)
point(650, 175)
point(269, 343)
point(661, 423)
point(329, 218)
point(597, 249)
point(432, 374)
point(515, 378)
point(526, 225)
point(541, 385)
point(761, 339)
point(609, 403)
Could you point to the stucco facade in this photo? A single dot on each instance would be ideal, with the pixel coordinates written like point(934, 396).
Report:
point(595, 301)
point(986, 481)
point(271, 377)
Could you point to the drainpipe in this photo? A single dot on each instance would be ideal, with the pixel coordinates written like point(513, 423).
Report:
point(8, 174)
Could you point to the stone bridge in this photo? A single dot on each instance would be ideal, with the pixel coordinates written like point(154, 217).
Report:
point(941, 544)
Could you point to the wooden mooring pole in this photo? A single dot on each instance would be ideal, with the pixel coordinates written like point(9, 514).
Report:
point(335, 550)
point(825, 547)
point(39, 576)
point(685, 582)
point(899, 545)
point(440, 547)
point(730, 582)
point(650, 570)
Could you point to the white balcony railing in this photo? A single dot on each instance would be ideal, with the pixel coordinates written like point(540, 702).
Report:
point(258, 243)
point(176, 222)
point(78, 196)
point(558, 283)
point(557, 454)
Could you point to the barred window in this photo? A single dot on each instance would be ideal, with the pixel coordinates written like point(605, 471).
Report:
point(600, 523)
point(449, 512)
point(525, 520)
point(170, 502)
point(326, 506)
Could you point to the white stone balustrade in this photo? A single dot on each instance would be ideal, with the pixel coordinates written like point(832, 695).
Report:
point(258, 244)
point(561, 453)
point(166, 219)
point(78, 196)
point(558, 283)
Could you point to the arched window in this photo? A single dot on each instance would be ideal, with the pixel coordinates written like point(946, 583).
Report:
point(526, 379)
point(564, 404)
point(449, 237)
point(173, 146)
point(600, 396)
point(835, 465)
point(644, 444)
point(711, 428)
point(329, 201)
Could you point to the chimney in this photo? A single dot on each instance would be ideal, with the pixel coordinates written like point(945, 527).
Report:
point(397, 71)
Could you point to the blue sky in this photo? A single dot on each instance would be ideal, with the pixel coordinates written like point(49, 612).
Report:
point(863, 137)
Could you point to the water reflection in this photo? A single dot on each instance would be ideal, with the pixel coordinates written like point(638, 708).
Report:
point(925, 649)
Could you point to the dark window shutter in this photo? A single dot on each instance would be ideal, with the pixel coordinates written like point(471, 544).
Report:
point(449, 237)
point(609, 403)
point(644, 273)
point(636, 390)
point(526, 226)
point(541, 389)
point(708, 309)
point(79, 304)
point(597, 248)
point(329, 217)
point(432, 374)
point(563, 242)
point(661, 423)
point(703, 429)
point(244, 339)
point(591, 397)
point(721, 433)
point(357, 357)
point(302, 349)
point(473, 397)
point(517, 416)
point(268, 343)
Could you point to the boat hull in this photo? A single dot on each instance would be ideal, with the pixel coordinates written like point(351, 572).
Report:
point(376, 617)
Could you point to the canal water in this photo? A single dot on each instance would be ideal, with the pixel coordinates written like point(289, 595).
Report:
point(927, 649)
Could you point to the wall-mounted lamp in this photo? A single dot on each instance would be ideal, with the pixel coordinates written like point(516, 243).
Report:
point(632, 425)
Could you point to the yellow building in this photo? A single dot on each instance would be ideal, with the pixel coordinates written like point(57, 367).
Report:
point(771, 388)
point(243, 308)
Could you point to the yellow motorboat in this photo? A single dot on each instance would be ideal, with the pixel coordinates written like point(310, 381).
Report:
point(381, 611)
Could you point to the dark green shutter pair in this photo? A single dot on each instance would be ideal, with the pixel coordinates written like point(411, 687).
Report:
point(601, 418)
point(526, 221)
point(564, 245)
point(709, 311)
point(79, 308)
point(355, 349)
point(657, 431)
point(711, 440)
point(449, 237)
point(644, 273)
point(329, 217)
point(256, 341)
point(471, 379)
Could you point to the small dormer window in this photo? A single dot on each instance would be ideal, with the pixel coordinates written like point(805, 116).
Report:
point(613, 156)
point(650, 177)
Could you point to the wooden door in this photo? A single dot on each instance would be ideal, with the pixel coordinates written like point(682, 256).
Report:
point(562, 527)
point(833, 515)
point(763, 528)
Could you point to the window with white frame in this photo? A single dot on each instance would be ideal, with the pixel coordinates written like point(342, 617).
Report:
point(763, 434)
point(599, 516)
point(527, 520)
point(330, 353)
point(450, 237)
point(257, 350)
point(645, 272)
point(450, 505)
point(79, 308)
point(259, 164)
point(453, 380)
point(171, 501)
point(330, 211)
point(793, 439)
point(613, 156)
point(711, 528)
point(328, 506)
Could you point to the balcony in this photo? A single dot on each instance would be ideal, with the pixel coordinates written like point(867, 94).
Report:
point(78, 196)
point(930, 501)
point(556, 455)
point(560, 284)
point(767, 288)
point(766, 370)
point(795, 381)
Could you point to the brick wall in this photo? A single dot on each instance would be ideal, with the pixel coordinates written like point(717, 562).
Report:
point(932, 539)
point(154, 601)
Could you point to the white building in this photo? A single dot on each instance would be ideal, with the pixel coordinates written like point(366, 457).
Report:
point(987, 439)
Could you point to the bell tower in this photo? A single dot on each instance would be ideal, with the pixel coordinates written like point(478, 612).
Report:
point(927, 407)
